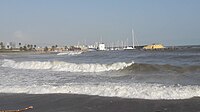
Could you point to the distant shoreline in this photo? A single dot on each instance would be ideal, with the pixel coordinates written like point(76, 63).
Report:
point(168, 48)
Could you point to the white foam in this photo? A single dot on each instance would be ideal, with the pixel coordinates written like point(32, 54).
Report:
point(65, 66)
point(70, 53)
point(134, 90)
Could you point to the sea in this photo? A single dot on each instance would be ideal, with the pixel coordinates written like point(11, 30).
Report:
point(172, 74)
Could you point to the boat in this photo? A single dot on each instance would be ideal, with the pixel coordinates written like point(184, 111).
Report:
point(133, 39)
point(129, 48)
point(153, 47)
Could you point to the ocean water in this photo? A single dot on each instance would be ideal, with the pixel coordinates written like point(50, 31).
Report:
point(170, 74)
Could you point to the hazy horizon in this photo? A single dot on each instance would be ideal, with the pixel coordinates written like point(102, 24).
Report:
point(67, 22)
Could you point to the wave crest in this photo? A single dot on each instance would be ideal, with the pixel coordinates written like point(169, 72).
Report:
point(134, 90)
point(65, 66)
point(70, 53)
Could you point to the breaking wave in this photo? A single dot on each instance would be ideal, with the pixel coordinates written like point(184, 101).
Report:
point(118, 66)
point(70, 53)
point(133, 90)
point(65, 66)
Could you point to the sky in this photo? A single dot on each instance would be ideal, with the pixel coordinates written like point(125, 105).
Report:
point(68, 22)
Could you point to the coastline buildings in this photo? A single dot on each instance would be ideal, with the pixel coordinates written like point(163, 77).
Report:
point(19, 47)
point(12, 46)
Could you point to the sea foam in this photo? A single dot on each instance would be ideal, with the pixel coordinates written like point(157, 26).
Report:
point(65, 66)
point(70, 53)
point(133, 90)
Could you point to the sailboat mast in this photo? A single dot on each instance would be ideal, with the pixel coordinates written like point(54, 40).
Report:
point(133, 38)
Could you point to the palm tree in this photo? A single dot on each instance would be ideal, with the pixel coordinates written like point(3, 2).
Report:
point(8, 46)
point(46, 49)
point(25, 48)
point(52, 48)
point(31, 47)
point(66, 47)
point(1, 45)
point(28, 46)
point(21, 49)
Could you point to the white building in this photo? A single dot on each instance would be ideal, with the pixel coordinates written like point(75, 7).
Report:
point(101, 46)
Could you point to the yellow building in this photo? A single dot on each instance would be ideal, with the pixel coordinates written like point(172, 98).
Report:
point(153, 47)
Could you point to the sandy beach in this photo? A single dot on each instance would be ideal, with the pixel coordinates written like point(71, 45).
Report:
point(85, 103)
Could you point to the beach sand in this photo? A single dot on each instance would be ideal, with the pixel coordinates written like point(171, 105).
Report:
point(85, 103)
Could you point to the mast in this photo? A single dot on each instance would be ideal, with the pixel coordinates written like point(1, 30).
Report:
point(133, 38)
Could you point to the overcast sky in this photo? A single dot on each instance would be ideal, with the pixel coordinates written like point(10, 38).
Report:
point(67, 22)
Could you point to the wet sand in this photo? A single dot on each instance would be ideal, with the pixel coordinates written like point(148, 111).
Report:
point(85, 103)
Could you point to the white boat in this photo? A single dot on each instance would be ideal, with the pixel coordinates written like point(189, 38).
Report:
point(131, 47)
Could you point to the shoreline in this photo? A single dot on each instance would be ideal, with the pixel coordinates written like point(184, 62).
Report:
point(138, 48)
point(86, 103)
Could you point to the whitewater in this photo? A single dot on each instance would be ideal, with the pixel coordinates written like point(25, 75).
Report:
point(126, 74)
point(64, 66)
point(134, 90)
